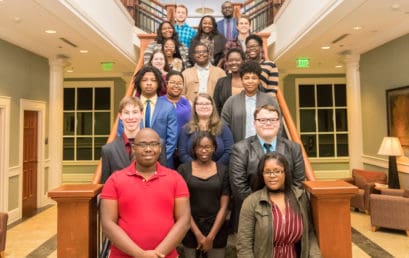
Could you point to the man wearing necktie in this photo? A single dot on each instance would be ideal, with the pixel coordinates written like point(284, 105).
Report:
point(228, 25)
point(159, 114)
point(247, 153)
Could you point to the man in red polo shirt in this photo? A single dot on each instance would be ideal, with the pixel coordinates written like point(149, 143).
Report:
point(145, 208)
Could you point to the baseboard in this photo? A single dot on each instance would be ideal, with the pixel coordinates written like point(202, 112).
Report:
point(14, 215)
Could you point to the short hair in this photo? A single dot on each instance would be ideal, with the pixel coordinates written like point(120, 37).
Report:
point(235, 50)
point(146, 69)
point(181, 6)
point(166, 67)
point(198, 137)
point(200, 44)
point(214, 125)
point(250, 66)
point(268, 107)
point(129, 100)
point(256, 38)
point(244, 16)
point(174, 73)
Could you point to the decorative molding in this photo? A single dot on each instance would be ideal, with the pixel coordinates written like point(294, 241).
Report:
point(80, 163)
point(5, 107)
point(77, 178)
point(328, 160)
point(14, 215)
point(14, 171)
point(403, 163)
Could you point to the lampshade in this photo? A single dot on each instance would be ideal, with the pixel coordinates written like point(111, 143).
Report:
point(390, 147)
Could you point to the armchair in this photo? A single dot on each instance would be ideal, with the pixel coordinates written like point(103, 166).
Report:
point(390, 209)
point(3, 231)
point(365, 180)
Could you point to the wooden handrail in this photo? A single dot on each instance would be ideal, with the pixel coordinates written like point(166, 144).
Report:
point(285, 112)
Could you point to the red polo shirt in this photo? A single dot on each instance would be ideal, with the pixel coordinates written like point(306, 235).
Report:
point(145, 207)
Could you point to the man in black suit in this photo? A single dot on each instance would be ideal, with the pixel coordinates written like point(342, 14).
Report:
point(118, 154)
point(247, 153)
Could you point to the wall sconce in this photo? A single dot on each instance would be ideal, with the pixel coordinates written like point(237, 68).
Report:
point(391, 147)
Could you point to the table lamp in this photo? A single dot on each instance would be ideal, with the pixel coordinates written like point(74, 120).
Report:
point(391, 147)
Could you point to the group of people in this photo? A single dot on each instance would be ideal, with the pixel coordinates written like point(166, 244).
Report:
point(195, 144)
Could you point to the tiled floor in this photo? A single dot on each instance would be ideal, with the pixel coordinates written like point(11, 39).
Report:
point(36, 238)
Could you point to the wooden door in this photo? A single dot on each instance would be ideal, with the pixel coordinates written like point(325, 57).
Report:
point(30, 163)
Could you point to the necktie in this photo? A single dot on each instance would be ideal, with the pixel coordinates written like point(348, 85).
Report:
point(148, 114)
point(228, 30)
point(267, 146)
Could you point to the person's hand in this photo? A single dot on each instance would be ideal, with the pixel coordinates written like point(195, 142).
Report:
point(199, 239)
point(152, 254)
point(206, 243)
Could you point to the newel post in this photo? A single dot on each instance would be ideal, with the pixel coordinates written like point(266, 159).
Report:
point(77, 220)
point(330, 202)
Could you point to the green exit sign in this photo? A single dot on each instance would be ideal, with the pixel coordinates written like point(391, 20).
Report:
point(303, 62)
point(107, 66)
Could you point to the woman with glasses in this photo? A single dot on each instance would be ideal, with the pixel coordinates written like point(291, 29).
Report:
point(166, 31)
point(276, 220)
point(205, 118)
point(171, 49)
point(209, 190)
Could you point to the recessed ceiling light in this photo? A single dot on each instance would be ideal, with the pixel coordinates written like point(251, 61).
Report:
point(17, 19)
point(395, 7)
point(70, 70)
point(325, 47)
point(50, 31)
point(83, 51)
point(339, 66)
point(357, 27)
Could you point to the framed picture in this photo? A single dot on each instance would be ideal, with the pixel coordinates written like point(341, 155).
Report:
point(397, 102)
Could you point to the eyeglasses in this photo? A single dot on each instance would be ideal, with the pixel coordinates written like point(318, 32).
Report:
point(253, 47)
point(267, 120)
point(144, 145)
point(201, 52)
point(205, 148)
point(274, 172)
point(203, 104)
point(178, 84)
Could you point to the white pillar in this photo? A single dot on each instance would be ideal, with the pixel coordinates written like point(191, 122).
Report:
point(354, 111)
point(55, 135)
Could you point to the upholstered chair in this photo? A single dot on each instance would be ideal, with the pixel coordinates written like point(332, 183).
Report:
point(390, 209)
point(3, 231)
point(365, 180)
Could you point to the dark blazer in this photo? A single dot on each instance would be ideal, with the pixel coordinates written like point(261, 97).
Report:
point(164, 122)
point(244, 160)
point(234, 112)
point(114, 157)
point(220, 27)
point(222, 92)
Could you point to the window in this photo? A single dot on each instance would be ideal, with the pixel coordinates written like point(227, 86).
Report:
point(87, 119)
point(322, 118)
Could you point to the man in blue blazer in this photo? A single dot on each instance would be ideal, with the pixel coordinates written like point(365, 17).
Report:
point(247, 153)
point(159, 114)
point(228, 25)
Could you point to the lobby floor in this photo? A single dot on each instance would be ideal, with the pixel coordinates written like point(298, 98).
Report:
point(36, 238)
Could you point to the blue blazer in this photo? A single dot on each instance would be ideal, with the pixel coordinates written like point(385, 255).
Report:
point(220, 28)
point(164, 122)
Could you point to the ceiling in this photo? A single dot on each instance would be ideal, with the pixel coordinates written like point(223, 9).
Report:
point(23, 22)
point(380, 21)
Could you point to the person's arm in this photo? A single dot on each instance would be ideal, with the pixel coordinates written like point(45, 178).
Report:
point(118, 237)
point(179, 229)
point(171, 135)
point(96, 179)
point(183, 143)
point(105, 166)
point(207, 244)
point(216, 95)
point(227, 138)
point(226, 112)
point(245, 235)
point(299, 166)
point(238, 172)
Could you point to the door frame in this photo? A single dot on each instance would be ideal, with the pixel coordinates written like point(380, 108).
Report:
point(5, 104)
point(40, 107)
